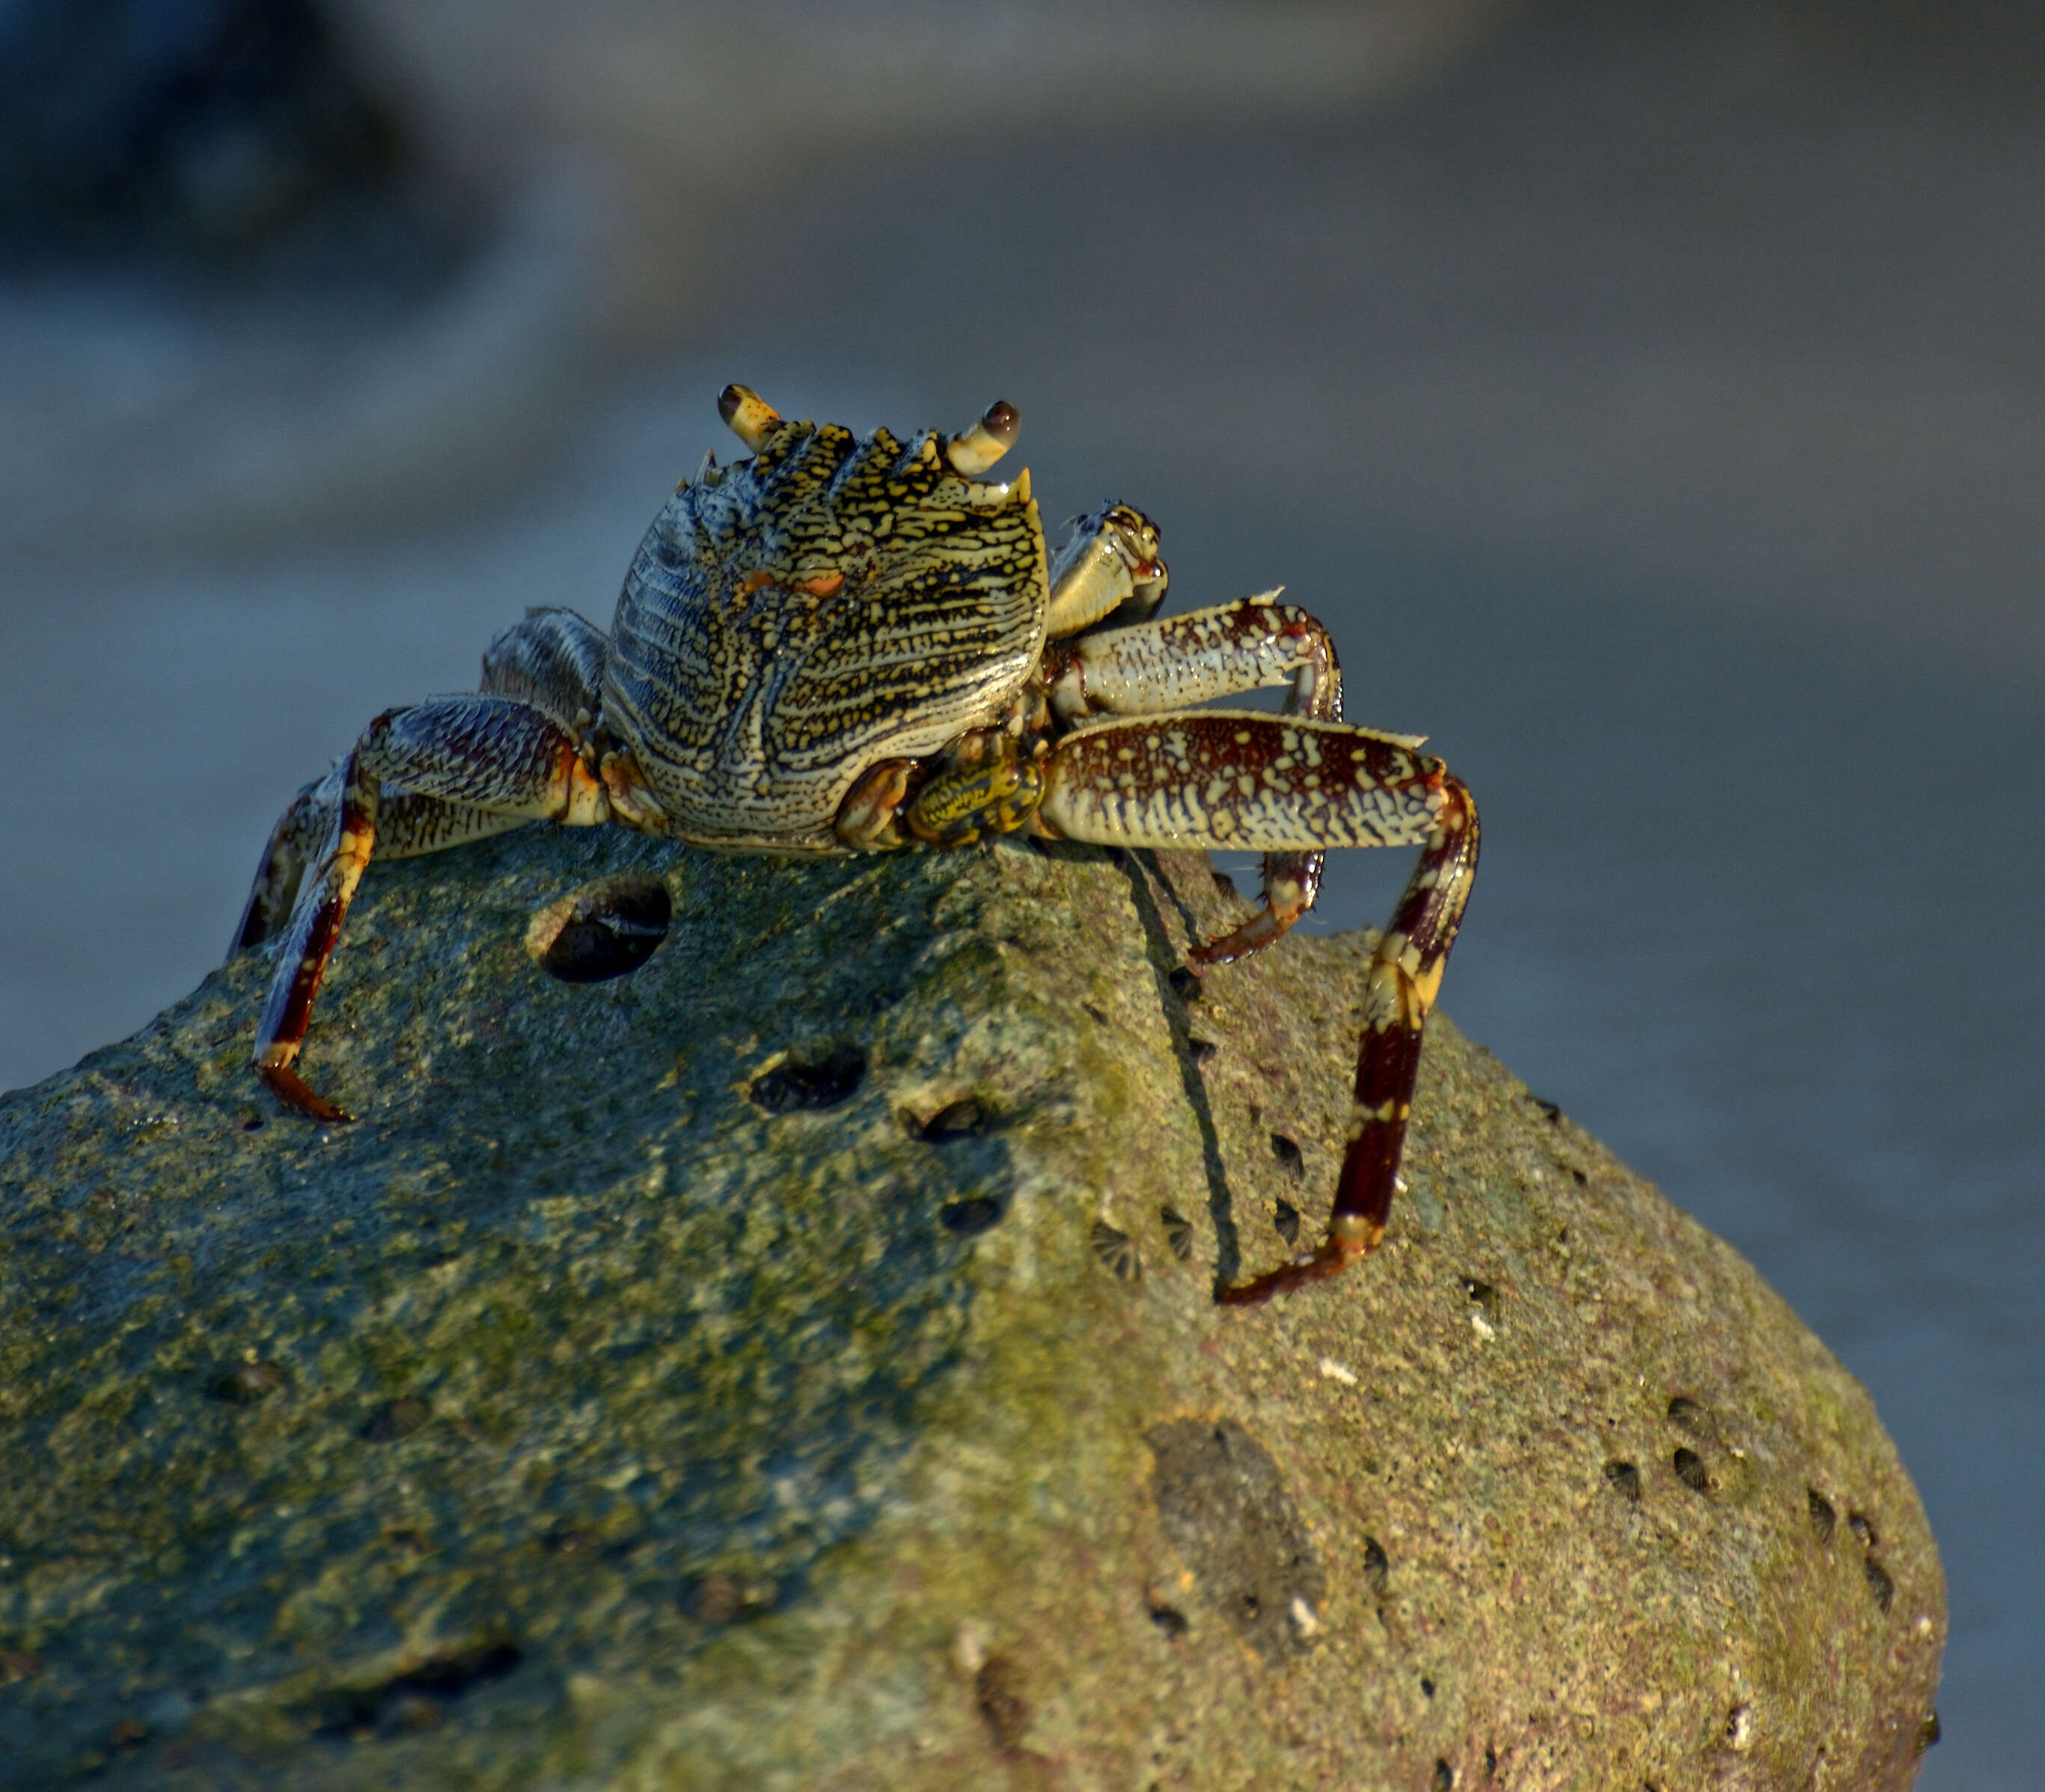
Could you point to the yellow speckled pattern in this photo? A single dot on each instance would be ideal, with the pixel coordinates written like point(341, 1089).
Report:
point(793, 617)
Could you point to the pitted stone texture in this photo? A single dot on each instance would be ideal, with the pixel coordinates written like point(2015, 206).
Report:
point(662, 1384)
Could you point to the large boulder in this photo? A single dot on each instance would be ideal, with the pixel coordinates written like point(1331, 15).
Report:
point(794, 1364)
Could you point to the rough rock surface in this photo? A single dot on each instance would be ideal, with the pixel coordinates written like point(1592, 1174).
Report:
point(794, 1365)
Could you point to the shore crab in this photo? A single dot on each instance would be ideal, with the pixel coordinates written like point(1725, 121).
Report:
point(844, 644)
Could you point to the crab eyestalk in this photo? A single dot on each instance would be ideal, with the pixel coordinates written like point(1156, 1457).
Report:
point(751, 416)
point(973, 451)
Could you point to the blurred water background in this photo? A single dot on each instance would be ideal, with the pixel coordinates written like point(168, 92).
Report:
point(1652, 400)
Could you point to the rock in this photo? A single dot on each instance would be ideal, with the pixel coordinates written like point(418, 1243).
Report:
point(793, 1363)
point(200, 128)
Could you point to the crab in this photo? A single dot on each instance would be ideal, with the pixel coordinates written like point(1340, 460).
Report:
point(846, 645)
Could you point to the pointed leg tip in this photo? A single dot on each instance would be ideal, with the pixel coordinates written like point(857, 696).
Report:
point(1348, 1238)
point(292, 1090)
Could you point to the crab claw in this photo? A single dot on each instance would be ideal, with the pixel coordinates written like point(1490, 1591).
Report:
point(973, 452)
point(751, 416)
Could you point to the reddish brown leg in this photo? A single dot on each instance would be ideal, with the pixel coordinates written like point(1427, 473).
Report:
point(1214, 777)
point(300, 837)
point(447, 771)
point(1405, 976)
point(309, 941)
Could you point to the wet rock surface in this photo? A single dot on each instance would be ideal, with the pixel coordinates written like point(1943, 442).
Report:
point(792, 1363)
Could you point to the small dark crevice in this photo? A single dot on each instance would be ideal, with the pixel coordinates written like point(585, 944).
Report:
point(1625, 1479)
point(394, 1419)
point(963, 1119)
point(1687, 1414)
point(973, 1215)
point(997, 1690)
point(1690, 1470)
point(1376, 1566)
point(414, 1700)
point(1823, 1517)
point(245, 1384)
point(1173, 1622)
point(797, 1084)
point(610, 931)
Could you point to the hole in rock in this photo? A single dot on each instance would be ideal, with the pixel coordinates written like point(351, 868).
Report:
point(997, 1690)
point(817, 1082)
point(1171, 1621)
point(1377, 1565)
point(246, 1383)
point(977, 1213)
point(393, 1420)
point(608, 930)
point(963, 1119)
point(1823, 1517)
point(413, 1700)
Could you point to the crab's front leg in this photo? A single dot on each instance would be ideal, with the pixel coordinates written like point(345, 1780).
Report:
point(1217, 779)
point(1255, 643)
point(443, 771)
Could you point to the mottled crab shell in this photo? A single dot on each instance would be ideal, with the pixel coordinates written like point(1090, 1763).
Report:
point(796, 617)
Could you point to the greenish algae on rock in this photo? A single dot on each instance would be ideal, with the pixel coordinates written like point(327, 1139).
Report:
point(794, 1365)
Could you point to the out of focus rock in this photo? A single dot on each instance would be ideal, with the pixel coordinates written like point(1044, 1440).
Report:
point(198, 127)
point(471, 213)
point(794, 1363)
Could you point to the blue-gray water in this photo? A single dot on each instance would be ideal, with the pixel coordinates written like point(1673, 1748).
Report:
point(1657, 425)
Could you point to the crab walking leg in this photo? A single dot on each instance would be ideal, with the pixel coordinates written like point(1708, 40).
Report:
point(1253, 644)
point(1405, 976)
point(552, 659)
point(300, 836)
point(448, 770)
point(1214, 778)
